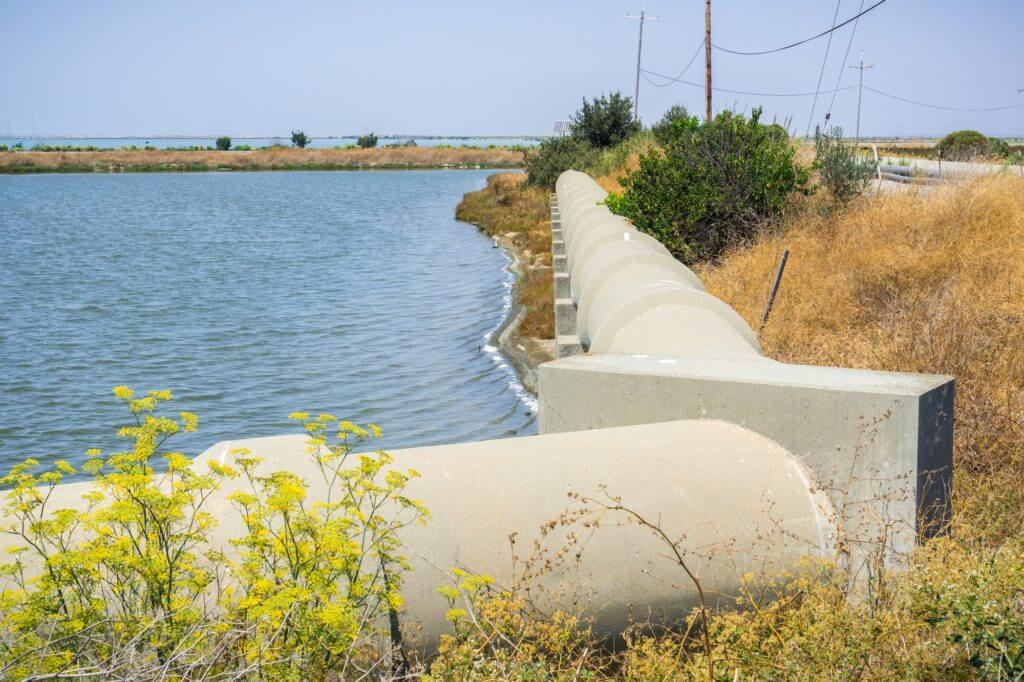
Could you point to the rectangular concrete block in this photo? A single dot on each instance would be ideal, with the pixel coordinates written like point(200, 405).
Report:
point(562, 285)
point(565, 317)
point(567, 346)
point(880, 443)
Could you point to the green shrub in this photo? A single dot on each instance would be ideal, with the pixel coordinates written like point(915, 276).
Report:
point(713, 185)
point(662, 130)
point(553, 156)
point(299, 139)
point(970, 145)
point(129, 585)
point(243, 148)
point(604, 121)
point(3, 147)
point(844, 173)
point(224, 143)
point(368, 141)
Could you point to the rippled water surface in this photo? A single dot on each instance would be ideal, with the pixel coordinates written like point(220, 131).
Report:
point(249, 295)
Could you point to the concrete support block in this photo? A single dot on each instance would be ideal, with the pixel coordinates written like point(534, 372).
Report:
point(561, 285)
point(879, 443)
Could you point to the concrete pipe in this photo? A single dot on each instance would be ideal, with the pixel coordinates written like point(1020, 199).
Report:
point(595, 228)
point(625, 279)
point(668, 319)
point(741, 501)
point(571, 205)
point(572, 179)
point(585, 219)
point(637, 294)
point(596, 243)
point(639, 260)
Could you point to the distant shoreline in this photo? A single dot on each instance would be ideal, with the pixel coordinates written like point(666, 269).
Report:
point(276, 158)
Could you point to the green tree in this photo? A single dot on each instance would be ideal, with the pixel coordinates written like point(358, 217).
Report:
point(844, 173)
point(554, 156)
point(969, 145)
point(714, 185)
point(368, 141)
point(663, 129)
point(605, 121)
point(299, 139)
point(224, 143)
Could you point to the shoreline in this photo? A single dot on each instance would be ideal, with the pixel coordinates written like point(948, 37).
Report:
point(506, 337)
point(273, 159)
point(524, 351)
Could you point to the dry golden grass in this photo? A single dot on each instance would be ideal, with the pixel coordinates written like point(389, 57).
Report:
point(510, 209)
point(912, 282)
point(262, 159)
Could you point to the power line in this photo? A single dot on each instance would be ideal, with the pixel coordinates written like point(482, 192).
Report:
point(821, 74)
point(686, 68)
point(839, 78)
point(739, 92)
point(836, 27)
point(944, 108)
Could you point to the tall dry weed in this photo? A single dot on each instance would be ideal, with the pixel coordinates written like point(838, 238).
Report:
point(925, 281)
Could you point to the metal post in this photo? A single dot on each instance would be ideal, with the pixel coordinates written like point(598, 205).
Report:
point(775, 290)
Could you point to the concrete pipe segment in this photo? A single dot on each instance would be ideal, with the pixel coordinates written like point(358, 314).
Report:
point(740, 502)
point(652, 345)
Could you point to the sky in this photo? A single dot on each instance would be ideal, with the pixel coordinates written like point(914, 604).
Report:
point(337, 67)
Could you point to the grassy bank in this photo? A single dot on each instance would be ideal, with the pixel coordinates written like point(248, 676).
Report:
point(278, 158)
point(518, 216)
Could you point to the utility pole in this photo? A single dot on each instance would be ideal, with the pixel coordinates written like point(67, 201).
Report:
point(707, 58)
point(860, 92)
point(639, 51)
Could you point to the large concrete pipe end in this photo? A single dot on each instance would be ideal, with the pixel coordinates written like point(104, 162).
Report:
point(879, 443)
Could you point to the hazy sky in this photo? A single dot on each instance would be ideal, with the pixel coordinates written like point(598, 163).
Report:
point(256, 67)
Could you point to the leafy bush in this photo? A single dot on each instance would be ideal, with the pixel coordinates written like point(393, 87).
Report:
point(243, 147)
point(224, 143)
point(662, 130)
point(713, 185)
point(299, 139)
point(367, 141)
point(604, 121)
point(3, 147)
point(969, 145)
point(129, 585)
point(554, 156)
point(844, 173)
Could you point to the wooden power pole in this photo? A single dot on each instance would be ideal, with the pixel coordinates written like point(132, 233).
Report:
point(707, 57)
point(639, 51)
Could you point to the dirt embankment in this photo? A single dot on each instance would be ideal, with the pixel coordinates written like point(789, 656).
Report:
point(277, 158)
point(518, 217)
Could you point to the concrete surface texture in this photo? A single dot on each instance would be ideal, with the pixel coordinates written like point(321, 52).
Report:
point(659, 347)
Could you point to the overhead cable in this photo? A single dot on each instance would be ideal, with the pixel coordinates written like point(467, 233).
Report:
point(686, 68)
point(836, 27)
point(842, 66)
point(942, 107)
point(743, 92)
point(821, 74)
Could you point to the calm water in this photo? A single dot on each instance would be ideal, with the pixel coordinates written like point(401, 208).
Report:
point(254, 142)
point(249, 295)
